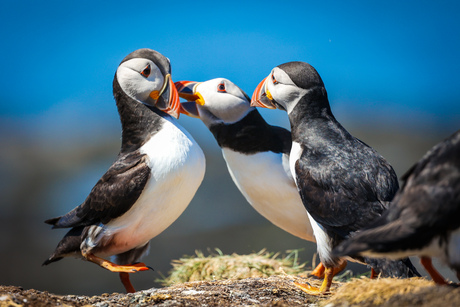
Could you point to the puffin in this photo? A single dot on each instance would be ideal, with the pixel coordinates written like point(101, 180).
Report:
point(153, 179)
point(344, 184)
point(256, 153)
point(423, 219)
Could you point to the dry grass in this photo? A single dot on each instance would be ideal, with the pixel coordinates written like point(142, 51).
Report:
point(375, 291)
point(251, 276)
point(219, 266)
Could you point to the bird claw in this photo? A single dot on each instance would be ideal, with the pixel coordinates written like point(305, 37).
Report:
point(309, 289)
point(136, 267)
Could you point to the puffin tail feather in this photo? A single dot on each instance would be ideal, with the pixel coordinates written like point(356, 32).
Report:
point(68, 246)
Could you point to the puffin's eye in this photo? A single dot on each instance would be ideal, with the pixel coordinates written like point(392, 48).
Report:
point(146, 71)
point(221, 88)
point(274, 79)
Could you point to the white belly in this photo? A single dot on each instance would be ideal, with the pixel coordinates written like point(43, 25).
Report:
point(264, 180)
point(177, 168)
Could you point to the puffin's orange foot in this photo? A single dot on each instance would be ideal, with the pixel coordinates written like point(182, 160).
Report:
point(340, 268)
point(318, 272)
point(132, 268)
point(374, 274)
point(309, 289)
point(325, 286)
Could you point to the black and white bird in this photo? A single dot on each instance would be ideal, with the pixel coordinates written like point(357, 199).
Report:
point(343, 183)
point(256, 153)
point(424, 216)
point(154, 178)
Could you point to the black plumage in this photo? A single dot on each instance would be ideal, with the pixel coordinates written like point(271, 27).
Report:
point(344, 183)
point(120, 187)
point(68, 246)
point(424, 213)
point(255, 152)
point(252, 134)
point(135, 199)
point(113, 194)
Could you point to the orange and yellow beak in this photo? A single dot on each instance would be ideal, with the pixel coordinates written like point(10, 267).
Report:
point(187, 91)
point(167, 99)
point(262, 97)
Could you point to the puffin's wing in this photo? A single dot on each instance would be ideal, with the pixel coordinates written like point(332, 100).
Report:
point(341, 197)
point(425, 207)
point(411, 223)
point(431, 187)
point(113, 194)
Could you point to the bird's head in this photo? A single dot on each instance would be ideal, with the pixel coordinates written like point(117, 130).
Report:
point(214, 101)
point(286, 85)
point(145, 76)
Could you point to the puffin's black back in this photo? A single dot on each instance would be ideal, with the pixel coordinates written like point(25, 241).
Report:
point(251, 135)
point(427, 206)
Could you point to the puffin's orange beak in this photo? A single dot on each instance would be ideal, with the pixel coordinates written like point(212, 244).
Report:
point(187, 90)
point(174, 102)
point(262, 97)
point(167, 99)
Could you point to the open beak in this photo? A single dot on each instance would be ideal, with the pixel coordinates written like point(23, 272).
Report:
point(187, 91)
point(262, 97)
point(167, 99)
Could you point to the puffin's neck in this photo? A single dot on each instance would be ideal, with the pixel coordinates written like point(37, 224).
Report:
point(312, 113)
point(138, 121)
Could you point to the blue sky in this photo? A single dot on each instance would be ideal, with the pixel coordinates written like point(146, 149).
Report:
point(398, 59)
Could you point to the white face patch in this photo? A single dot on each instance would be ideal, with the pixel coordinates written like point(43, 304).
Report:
point(136, 85)
point(283, 90)
point(223, 102)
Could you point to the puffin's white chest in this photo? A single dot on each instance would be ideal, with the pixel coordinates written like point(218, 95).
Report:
point(323, 242)
point(265, 181)
point(296, 152)
point(177, 166)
